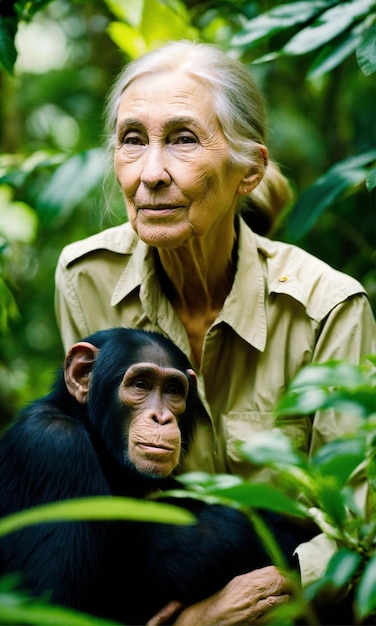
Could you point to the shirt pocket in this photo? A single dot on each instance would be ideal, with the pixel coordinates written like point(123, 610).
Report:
point(240, 426)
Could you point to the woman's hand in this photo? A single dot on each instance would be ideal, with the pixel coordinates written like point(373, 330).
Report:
point(245, 600)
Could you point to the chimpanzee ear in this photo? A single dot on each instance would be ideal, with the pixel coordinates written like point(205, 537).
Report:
point(78, 365)
point(192, 376)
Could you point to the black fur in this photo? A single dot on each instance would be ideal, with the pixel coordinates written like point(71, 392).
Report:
point(59, 449)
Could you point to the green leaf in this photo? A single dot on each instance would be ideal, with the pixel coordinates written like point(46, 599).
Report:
point(365, 592)
point(340, 457)
point(342, 567)
point(71, 182)
point(334, 54)
point(8, 52)
point(17, 607)
point(271, 447)
point(332, 502)
point(127, 10)
point(330, 374)
point(328, 25)
point(127, 38)
point(162, 21)
point(340, 178)
point(305, 402)
point(366, 52)
point(259, 496)
point(371, 180)
point(96, 508)
point(340, 570)
point(205, 481)
point(277, 19)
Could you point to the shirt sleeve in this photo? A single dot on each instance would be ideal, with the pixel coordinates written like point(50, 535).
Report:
point(69, 315)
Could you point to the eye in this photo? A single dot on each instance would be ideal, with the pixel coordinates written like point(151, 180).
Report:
point(186, 139)
point(141, 383)
point(183, 138)
point(174, 388)
point(133, 139)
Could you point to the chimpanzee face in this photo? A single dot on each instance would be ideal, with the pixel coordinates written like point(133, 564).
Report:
point(136, 413)
point(155, 397)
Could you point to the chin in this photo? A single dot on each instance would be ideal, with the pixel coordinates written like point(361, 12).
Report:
point(164, 237)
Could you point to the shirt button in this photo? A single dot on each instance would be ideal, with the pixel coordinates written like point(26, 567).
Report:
point(283, 278)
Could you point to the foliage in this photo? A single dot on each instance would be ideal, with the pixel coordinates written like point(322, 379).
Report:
point(17, 607)
point(334, 30)
point(59, 59)
point(323, 488)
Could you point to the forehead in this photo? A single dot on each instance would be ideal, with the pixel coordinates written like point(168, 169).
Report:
point(166, 95)
point(154, 353)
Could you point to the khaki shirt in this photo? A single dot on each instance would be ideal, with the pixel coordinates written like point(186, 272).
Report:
point(285, 309)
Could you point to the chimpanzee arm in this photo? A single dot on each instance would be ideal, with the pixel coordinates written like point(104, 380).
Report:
point(44, 457)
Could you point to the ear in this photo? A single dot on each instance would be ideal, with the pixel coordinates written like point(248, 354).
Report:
point(192, 376)
point(255, 173)
point(78, 365)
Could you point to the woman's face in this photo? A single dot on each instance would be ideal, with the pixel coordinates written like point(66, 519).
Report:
point(172, 160)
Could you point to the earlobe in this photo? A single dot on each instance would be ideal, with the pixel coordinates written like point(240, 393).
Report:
point(255, 173)
point(78, 365)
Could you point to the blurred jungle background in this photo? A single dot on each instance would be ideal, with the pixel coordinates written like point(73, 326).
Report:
point(315, 62)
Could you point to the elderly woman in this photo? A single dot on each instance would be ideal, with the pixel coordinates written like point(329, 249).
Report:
point(187, 126)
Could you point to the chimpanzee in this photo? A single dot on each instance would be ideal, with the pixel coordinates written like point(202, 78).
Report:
point(118, 419)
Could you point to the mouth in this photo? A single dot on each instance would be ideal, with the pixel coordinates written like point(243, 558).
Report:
point(155, 448)
point(159, 209)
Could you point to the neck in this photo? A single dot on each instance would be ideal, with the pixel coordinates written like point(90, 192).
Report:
point(199, 275)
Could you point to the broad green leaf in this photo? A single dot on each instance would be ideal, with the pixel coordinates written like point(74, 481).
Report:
point(365, 592)
point(332, 502)
point(96, 508)
point(260, 496)
point(342, 567)
point(360, 402)
point(371, 180)
point(71, 182)
point(329, 374)
point(334, 54)
point(340, 178)
point(163, 21)
point(366, 52)
point(327, 26)
point(127, 38)
point(8, 52)
point(340, 457)
point(16, 607)
point(340, 570)
point(127, 10)
point(271, 447)
point(204, 481)
point(277, 19)
point(305, 402)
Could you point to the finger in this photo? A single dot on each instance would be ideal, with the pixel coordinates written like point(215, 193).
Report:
point(165, 614)
point(265, 605)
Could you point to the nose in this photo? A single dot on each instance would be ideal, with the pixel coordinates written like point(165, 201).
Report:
point(159, 412)
point(154, 173)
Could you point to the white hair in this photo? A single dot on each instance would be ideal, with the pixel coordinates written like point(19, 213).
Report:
point(238, 102)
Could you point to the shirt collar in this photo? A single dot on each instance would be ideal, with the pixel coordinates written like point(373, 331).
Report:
point(138, 267)
point(244, 308)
